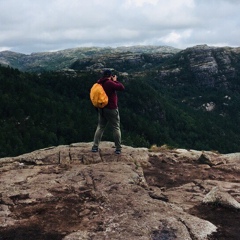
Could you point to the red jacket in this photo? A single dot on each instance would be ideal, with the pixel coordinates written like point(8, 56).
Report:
point(110, 88)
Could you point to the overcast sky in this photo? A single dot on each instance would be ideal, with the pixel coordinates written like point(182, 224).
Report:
point(29, 26)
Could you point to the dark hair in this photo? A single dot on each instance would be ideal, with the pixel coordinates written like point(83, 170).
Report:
point(107, 73)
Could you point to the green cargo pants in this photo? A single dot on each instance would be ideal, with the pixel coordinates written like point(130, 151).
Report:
point(108, 116)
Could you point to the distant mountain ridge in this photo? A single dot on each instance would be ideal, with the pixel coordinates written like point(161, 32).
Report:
point(201, 65)
point(52, 61)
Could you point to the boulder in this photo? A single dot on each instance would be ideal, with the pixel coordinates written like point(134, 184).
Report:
point(217, 196)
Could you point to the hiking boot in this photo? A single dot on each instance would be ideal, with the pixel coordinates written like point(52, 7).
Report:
point(118, 151)
point(94, 149)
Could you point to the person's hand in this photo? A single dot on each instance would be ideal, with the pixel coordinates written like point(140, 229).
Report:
point(114, 78)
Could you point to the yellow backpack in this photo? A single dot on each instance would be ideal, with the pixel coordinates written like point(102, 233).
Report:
point(98, 96)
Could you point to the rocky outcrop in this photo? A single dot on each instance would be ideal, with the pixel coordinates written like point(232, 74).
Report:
point(202, 65)
point(68, 192)
point(211, 66)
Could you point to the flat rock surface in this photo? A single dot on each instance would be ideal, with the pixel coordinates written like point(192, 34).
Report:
point(68, 192)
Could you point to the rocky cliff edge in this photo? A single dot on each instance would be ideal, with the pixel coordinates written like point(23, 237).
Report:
point(67, 192)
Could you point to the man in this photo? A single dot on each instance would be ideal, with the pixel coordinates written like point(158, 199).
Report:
point(109, 114)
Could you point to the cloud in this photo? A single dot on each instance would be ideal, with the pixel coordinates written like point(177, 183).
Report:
point(42, 25)
point(140, 3)
point(174, 37)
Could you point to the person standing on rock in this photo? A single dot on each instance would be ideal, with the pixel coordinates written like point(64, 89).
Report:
point(109, 114)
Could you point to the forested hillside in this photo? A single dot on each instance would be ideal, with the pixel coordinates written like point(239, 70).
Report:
point(53, 108)
point(38, 112)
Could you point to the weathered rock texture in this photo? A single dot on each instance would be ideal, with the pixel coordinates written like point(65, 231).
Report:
point(211, 67)
point(70, 193)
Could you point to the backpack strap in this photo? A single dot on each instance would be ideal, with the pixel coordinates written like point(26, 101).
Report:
point(104, 81)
